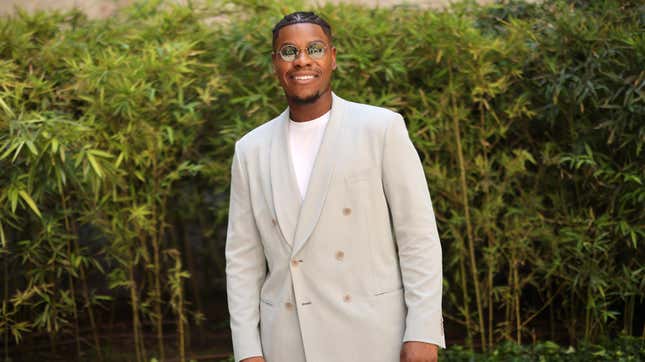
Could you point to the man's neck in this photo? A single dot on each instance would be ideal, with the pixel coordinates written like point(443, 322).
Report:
point(307, 112)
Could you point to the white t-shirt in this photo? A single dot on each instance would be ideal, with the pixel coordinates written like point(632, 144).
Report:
point(304, 141)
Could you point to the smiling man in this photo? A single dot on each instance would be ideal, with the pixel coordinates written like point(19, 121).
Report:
point(332, 249)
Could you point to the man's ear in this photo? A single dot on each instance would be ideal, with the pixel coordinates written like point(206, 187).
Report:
point(273, 55)
point(333, 58)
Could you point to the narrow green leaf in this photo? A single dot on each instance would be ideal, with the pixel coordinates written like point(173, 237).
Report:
point(13, 199)
point(3, 239)
point(100, 153)
point(6, 108)
point(25, 196)
point(54, 145)
point(9, 150)
point(76, 260)
point(61, 151)
point(15, 155)
point(170, 134)
point(95, 165)
point(119, 159)
point(32, 147)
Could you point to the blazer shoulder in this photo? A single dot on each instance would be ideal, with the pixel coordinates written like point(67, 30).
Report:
point(372, 117)
point(258, 137)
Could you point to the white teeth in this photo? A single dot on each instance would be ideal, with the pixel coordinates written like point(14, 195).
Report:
point(303, 77)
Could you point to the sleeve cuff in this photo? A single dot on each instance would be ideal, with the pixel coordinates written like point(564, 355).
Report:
point(429, 331)
point(247, 344)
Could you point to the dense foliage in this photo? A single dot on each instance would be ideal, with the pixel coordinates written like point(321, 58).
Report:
point(619, 350)
point(623, 349)
point(116, 137)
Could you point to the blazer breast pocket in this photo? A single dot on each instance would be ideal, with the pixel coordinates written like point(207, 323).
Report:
point(395, 289)
point(266, 301)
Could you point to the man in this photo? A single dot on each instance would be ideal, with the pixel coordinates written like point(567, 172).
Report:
point(332, 250)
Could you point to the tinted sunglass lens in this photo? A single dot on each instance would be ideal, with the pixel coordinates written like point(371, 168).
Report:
point(316, 50)
point(288, 53)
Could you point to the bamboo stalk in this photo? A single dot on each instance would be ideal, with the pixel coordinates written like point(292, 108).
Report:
point(72, 287)
point(508, 310)
point(75, 311)
point(180, 311)
point(53, 327)
point(136, 324)
point(464, 188)
point(588, 315)
point(464, 290)
point(573, 318)
point(550, 297)
point(88, 306)
point(180, 331)
point(546, 304)
point(86, 294)
point(628, 319)
point(489, 236)
point(157, 261)
point(516, 301)
point(490, 303)
point(5, 298)
point(190, 261)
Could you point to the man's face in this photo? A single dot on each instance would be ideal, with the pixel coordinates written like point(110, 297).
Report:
point(304, 79)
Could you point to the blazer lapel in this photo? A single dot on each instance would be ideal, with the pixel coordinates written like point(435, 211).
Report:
point(321, 175)
point(286, 196)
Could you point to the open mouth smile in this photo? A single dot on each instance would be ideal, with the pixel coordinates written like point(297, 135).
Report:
point(303, 78)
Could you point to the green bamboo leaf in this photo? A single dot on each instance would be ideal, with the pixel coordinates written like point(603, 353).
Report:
point(3, 239)
point(25, 196)
point(95, 165)
point(18, 329)
point(13, 199)
point(76, 260)
point(9, 150)
point(6, 108)
point(633, 178)
point(170, 134)
point(119, 159)
point(61, 151)
point(100, 153)
point(32, 147)
point(54, 145)
point(15, 155)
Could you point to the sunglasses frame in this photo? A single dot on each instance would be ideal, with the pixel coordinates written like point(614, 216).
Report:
point(299, 51)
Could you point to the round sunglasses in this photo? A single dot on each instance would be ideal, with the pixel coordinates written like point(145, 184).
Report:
point(315, 50)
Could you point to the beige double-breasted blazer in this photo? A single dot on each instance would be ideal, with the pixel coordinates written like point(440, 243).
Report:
point(351, 272)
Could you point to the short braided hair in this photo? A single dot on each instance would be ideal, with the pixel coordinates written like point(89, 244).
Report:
point(300, 17)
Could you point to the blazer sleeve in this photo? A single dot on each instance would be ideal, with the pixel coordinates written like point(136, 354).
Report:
point(416, 235)
point(245, 266)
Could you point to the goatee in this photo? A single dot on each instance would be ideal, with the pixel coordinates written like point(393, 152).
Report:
point(305, 100)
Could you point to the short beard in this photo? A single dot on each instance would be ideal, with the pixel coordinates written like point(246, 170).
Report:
point(306, 100)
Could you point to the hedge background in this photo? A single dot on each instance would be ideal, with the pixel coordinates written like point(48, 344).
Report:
point(115, 145)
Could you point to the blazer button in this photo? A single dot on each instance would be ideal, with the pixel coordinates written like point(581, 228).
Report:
point(347, 211)
point(295, 262)
point(288, 305)
point(347, 298)
point(275, 223)
point(340, 255)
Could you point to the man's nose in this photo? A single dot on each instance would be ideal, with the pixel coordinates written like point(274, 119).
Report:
point(302, 59)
